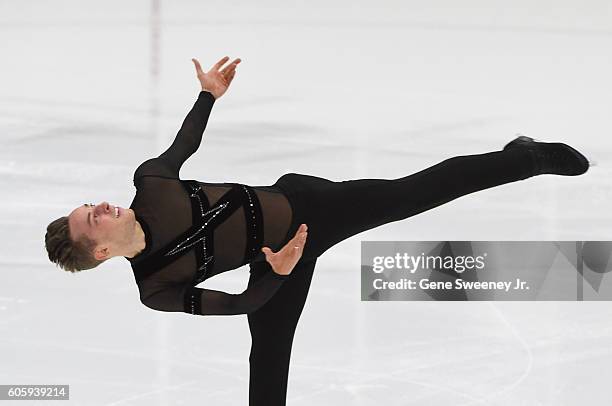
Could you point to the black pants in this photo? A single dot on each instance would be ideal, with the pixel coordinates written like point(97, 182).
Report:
point(335, 211)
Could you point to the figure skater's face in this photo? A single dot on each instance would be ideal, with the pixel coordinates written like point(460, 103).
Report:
point(111, 229)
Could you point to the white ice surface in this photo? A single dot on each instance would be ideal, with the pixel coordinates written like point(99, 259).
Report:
point(339, 89)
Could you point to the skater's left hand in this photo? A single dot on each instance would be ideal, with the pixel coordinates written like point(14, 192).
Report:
point(284, 261)
point(216, 81)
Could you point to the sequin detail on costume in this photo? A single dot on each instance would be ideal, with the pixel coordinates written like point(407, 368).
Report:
point(200, 236)
point(253, 220)
point(196, 236)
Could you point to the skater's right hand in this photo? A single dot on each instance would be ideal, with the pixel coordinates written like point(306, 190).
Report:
point(284, 261)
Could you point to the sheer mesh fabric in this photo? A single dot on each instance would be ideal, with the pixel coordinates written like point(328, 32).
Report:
point(230, 237)
point(164, 208)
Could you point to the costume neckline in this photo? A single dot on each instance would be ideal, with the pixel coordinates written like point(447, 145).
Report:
point(148, 238)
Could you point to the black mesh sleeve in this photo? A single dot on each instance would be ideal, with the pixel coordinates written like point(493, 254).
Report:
point(185, 144)
point(193, 300)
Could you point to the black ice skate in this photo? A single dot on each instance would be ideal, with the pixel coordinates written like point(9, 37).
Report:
point(552, 157)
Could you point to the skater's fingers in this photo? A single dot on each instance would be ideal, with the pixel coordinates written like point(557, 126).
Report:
point(297, 249)
point(218, 65)
point(297, 254)
point(299, 241)
point(267, 251)
point(197, 66)
point(231, 67)
point(230, 77)
point(300, 235)
point(302, 227)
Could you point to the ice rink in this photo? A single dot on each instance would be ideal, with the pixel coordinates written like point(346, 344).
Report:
point(338, 89)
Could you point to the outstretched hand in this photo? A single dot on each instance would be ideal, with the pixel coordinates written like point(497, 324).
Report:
point(284, 261)
point(216, 80)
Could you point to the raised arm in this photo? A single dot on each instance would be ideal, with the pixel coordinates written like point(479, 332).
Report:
point(189, 137)
point(198, 301)
point(214, 84)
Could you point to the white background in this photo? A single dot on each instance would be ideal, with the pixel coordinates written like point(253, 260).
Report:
point(339, 89)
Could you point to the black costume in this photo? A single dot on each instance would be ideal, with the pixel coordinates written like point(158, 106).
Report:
point(195, 230)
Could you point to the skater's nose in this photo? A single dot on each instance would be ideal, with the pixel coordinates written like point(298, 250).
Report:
point(103, 207)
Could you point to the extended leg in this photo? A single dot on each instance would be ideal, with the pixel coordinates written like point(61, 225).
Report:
point(272, 330)
point(339, 210)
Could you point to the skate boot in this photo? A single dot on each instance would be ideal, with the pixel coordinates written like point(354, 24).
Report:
point(554, 158)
